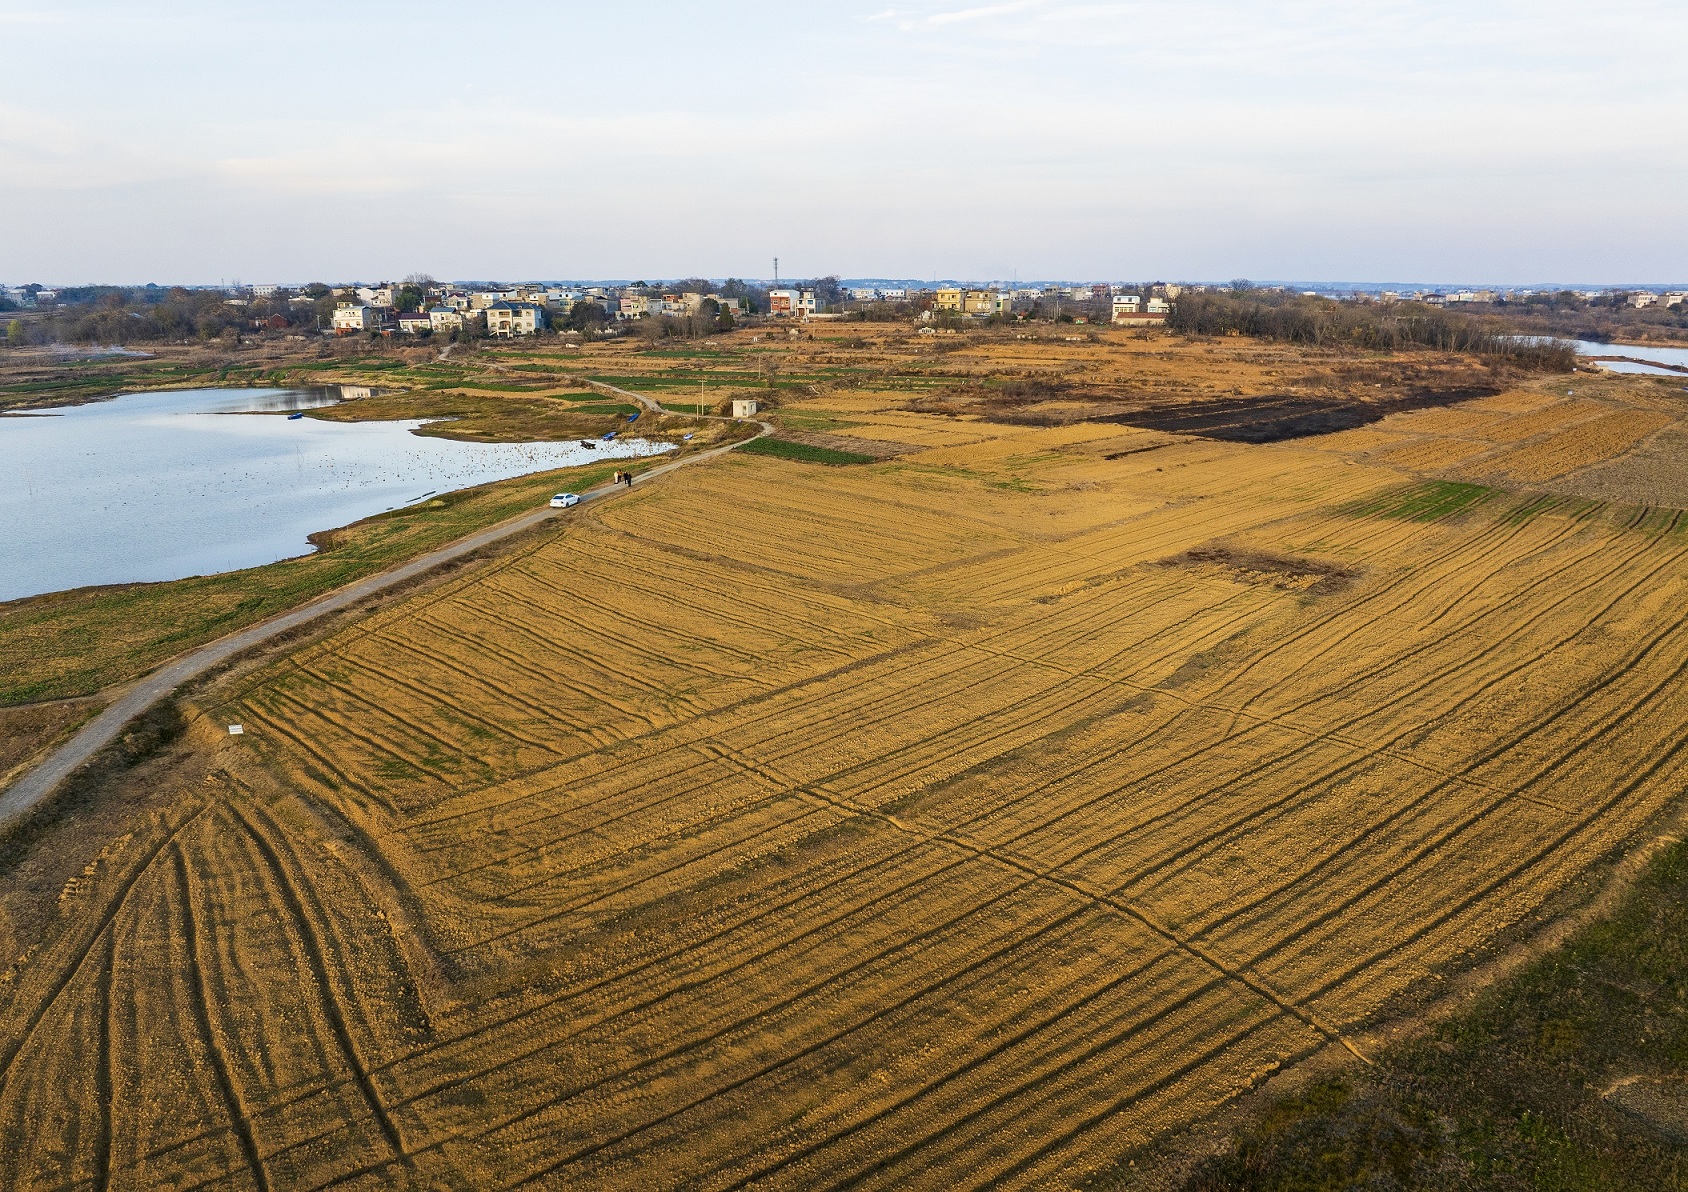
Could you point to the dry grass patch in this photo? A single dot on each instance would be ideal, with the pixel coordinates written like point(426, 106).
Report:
point(1588, 442)
point(962, 820)
point(29, 730)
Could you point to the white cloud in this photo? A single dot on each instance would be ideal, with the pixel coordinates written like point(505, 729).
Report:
point(956, 16)
point(1209, 136)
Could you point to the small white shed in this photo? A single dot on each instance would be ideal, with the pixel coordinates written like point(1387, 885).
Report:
point(744, 407)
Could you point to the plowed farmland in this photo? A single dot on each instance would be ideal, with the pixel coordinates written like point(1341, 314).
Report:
point(954, 820)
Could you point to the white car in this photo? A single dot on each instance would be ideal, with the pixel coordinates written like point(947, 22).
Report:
point(564, 500)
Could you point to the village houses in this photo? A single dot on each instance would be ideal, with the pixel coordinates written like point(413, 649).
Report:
point(976, 304)
point(350, 318)
point(509, 319)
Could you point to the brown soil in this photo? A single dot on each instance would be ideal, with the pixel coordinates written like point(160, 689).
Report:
point(28, 730)
point(960, 821)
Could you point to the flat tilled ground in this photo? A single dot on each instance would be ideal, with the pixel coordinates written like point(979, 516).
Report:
point(932, 823)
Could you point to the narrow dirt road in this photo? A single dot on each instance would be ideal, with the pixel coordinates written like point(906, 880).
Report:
point(131, 700)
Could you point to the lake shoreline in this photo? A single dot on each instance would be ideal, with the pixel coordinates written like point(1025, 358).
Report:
point(75, 642)
point(160, 486)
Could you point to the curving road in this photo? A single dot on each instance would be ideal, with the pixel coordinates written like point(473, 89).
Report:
point(36, 784)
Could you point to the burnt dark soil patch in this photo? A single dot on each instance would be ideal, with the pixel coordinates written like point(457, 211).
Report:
point(1272, 418)
point(1139, 450)
point(1285, 572)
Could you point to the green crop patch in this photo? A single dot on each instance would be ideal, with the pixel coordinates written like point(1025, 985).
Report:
point(679, 379)
point(804, 452)
point(821, 420)
point(1428, 502)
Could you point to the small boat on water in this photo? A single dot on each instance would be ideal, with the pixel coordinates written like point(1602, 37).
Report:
point(588, 444)
point(609, 435)
point(296, 414)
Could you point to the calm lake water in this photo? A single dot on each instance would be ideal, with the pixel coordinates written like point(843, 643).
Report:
point(1587, 347)
point(157, 486)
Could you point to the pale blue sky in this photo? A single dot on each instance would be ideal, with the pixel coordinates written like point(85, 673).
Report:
point(1510, 141)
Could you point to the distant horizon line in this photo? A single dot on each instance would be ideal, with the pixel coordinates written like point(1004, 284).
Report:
point(922, 283)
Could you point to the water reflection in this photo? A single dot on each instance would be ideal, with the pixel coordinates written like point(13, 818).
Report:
point(156, 486)
point(1635, 352)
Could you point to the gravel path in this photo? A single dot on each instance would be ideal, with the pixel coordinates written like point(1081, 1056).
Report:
point(135, 698)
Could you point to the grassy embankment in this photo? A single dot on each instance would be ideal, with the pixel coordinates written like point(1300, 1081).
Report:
point(509, 417)
point(806, 453)
point(32, 384)
point(1567, 1076)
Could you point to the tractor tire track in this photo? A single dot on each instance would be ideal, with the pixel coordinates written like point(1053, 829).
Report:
point(201, 1007)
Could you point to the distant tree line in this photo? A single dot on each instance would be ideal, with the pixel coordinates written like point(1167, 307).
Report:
point(160, 314)
point(1604, 318)
point(1266, 314)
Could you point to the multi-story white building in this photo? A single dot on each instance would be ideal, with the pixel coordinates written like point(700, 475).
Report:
point(350, 318)
point(1131, 311)
point(413, 322)
point(510, 319)
point(443, 319)
point(381, 295)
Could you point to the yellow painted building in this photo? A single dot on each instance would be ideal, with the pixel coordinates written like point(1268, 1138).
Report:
point(976, 303)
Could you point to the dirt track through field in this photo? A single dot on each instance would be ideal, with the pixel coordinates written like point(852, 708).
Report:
point(952, 821)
